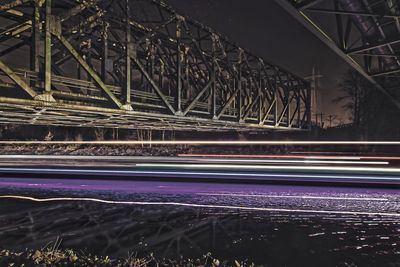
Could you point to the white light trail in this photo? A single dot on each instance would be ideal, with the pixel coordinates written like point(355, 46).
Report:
point(308, 160)
point(264, 167)
point(268, 156)
point(196, 173)
point(291, 156)
point(193, 205)
point(201, 142)
point(298, 161)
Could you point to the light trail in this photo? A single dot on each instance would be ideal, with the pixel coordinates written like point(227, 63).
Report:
point(296, 197)
point(268, 156)
point(193, 205)
point(177, 159)
point(201, 142)
point(193, 174)
point(290, 156)
point(263, 167)
point(299, 161)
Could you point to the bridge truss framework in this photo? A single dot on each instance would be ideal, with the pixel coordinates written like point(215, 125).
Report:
point(364, 33)
point(136, 64)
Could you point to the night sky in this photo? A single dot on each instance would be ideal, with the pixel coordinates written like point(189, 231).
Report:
point(267, 30)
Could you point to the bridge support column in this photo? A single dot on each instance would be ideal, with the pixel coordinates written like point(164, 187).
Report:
point(260, 98)
point(239, 84)
point(104, 56)
point(128, 67)
point(47, 49)
point(213, 80)
point(179, 59)
point(276, 101)
point(35, 41)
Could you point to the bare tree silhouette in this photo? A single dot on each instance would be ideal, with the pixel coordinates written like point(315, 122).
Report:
point(371, 112)
point(354, 88)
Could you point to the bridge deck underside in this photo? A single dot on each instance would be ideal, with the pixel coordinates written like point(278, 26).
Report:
point(15, 111)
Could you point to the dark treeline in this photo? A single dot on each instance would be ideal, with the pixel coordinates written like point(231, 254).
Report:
point(373, 115)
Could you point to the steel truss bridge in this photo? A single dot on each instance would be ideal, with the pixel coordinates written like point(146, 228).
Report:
point(136, 64)
point(364, 33)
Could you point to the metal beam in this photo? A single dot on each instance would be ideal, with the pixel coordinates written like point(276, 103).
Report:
point(308, 23)
point(14, 47)
point(47, 48)
point(371, 47)
point(250, 107)
point(154, 85)
point(179, 59)
point(228, 102)
point(308, 3)
point(90, 71)
point(65, 15)
point(35, 39)
point(214, 80)
point(128, 65)
point(386, 72)
point(198, 96)
point(21, 83)
point(15, 3)
point(351, 13)
point(15, 29)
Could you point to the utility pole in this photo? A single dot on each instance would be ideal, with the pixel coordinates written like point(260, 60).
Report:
point(322, 122)
point(331, 118)
point(320, 115)
point(315, 79)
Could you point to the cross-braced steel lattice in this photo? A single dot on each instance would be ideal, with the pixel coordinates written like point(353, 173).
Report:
point(364, 33)
point(136, 64)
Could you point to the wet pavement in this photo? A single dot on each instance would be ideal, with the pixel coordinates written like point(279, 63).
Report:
point(267, 224)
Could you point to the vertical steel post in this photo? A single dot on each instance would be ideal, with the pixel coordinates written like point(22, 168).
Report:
point(298, 104)
point(128, 71)
point(308, 106)
point(161, 76)
point(178, 68)
point(260, 98)
point(47, 48)
point(276, 100)
point(89, 58)
point(105, 52)
point(239, 84)
point(34, 52)
point(287, 99)
point(152, 62)
point(339, 25)
point(213, 80)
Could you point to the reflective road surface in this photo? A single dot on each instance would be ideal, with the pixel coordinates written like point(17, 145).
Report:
point(268, 224)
